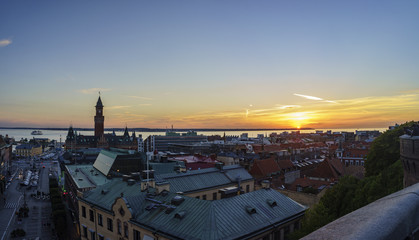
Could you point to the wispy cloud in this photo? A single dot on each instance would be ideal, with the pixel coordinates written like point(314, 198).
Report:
point(140, 97)
point(93, 90)
point(118, 107)
point(288, 106)
point(5, 42)
point(144, 104)
point(313, 98)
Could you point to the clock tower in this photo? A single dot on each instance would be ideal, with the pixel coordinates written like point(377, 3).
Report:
point(99, 119)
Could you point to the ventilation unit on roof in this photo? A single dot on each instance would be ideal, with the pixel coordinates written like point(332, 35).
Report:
point(177, 200)
point(131, 182)
point(180, 215)
point(104, 191)
point(169, 209)
point(250, 210)
point(149, 207)
point(271, 202)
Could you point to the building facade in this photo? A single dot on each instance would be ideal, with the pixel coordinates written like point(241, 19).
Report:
point(28, 150)
point(409, 155)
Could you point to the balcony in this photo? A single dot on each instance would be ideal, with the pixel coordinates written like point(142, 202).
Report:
point(395, 216)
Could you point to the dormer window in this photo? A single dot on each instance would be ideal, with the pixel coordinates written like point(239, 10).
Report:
point(121, 211)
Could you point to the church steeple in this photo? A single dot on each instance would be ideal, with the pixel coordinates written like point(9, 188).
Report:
point(99, 103)
point(126, 134)
point(99, 119)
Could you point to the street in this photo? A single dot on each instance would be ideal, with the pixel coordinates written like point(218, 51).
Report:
point(39, 222)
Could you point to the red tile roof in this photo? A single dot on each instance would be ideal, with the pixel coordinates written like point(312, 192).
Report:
point(262, 168)
point(285, 164)
point(323, 170)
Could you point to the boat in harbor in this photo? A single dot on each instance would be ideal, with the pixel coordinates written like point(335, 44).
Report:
point(36, 132)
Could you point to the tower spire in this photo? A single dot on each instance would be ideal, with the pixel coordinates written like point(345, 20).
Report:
point(99, 118)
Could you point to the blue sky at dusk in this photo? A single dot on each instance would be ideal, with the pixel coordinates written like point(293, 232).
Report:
point(209, 64)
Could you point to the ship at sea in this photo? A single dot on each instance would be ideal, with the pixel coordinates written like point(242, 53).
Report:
point(36, 132)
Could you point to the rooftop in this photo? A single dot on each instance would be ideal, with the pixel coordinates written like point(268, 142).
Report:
point(86, 176)
point(207, 178)
point(241, 216)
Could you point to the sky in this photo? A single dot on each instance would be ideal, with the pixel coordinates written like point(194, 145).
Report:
point(209, 64)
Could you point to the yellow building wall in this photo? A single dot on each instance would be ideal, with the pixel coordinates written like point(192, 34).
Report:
point(125, 215)
point(36, 151)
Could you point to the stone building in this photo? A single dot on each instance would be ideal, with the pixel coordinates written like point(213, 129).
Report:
point(409, 155)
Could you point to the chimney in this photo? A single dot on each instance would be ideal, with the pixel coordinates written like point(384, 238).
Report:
point(145, 184)
point(162, 186)
point(219, 165)
point(266, 184)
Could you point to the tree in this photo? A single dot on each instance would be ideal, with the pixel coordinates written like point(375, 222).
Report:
point(384, 175)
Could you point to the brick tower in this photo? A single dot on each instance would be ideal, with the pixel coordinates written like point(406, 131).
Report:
point(99, 119)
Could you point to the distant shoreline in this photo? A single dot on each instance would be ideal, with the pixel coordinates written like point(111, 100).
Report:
point(163, 129)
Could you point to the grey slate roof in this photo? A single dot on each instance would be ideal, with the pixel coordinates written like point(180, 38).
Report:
point(208, 178)
point(165, 168)
point(220, 219)
point(104, 196)
point(27, 146)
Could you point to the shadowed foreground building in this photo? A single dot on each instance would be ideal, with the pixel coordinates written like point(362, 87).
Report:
point(409, 155)
point(119, 210)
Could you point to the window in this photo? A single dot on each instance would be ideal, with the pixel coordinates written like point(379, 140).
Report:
point(101, 237)
point(197, 197)
point(85, 231)
point(137, 235)
point(92, 235)
point(83, 211)
point(99, 219)
point(125, 229)
point(119, 227)
point(204, 197)
point(110, 224)
point(296, 225)
point(214, 196)
point(247, 188)
point(91, 215)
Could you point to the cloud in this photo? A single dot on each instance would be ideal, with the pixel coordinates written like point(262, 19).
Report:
point(144, 104)
point(93, 90)
point(313, 98)
point(118, 107)
point(138, 97)
point(5, 42)
point(288, 107)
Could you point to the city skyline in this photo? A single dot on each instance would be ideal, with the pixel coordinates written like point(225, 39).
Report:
point(237, 64)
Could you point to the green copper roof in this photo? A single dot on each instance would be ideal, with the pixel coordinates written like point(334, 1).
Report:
point(86, 176)
point(197, 180)
point(239, 217)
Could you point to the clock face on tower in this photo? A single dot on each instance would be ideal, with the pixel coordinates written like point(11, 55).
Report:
point(100, 111)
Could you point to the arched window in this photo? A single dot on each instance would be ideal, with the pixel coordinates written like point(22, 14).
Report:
point(119, 227)
point(125, 229)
